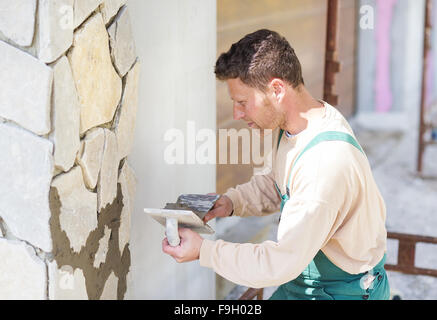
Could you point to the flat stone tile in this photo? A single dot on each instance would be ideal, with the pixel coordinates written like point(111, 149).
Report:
point(65, 116)
point(17, 20)
point(22, 73)
point(26, 168)
point(122, 43)
point(125, 119)
point(98, 84)
point(22, 274)
point(78, 216)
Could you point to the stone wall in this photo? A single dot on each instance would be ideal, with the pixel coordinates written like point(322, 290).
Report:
point(68, 101)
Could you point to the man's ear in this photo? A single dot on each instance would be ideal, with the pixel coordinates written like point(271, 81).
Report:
point(277, 87)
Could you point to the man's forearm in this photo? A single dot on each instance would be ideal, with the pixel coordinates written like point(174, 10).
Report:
point(254, 198)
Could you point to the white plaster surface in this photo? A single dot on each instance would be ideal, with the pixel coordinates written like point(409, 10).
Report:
point(191, 39)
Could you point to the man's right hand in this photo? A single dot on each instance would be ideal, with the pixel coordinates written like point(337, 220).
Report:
point(223, 207)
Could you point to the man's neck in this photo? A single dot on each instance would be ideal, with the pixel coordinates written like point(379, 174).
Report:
point(300, 109)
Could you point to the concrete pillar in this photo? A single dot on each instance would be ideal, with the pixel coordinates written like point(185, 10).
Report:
point(414, 14)
point(366, 63)
point(406, 56)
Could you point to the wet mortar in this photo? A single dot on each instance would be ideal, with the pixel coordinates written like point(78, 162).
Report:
point(115, 261)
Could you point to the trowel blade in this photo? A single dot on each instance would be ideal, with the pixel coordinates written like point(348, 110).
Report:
point(198, 203)
point(186, 219)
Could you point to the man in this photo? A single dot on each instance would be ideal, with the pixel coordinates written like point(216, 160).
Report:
point(331, 238)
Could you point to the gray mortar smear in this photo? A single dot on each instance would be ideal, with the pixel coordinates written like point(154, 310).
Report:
point(200, 204)
point(64, 255)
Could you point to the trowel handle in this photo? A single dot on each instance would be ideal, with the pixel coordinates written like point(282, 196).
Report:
point(171, 231)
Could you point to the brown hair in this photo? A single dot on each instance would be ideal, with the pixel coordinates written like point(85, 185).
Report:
point(257, 58)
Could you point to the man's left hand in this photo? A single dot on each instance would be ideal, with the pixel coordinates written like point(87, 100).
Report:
point(188, 249)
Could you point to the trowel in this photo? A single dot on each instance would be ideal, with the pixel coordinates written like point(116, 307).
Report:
point(187, 212)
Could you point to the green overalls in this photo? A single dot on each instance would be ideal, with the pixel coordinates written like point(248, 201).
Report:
point(321, 279)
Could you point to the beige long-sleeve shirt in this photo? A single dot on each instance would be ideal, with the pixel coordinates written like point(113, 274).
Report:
point(334, 205)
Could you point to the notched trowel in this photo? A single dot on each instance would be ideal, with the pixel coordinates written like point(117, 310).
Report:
point(187, 212)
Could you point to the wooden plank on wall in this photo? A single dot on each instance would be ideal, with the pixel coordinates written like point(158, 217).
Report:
point(347, 55)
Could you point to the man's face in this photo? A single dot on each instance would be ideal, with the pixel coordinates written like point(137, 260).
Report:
point(252, 106)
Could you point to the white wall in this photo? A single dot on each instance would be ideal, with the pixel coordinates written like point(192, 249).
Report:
point(176, 45)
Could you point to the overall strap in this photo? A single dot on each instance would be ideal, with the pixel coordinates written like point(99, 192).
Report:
point(279, 139)
point(281, 132)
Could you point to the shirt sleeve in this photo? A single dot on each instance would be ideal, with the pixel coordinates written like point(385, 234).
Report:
point(307, 222)
point(257, 197)
point(305, 227)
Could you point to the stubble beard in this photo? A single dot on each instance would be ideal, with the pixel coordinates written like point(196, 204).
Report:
point(270, 114)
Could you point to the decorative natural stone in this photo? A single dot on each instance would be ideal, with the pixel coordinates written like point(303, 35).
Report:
point(82, 9)
point(103, 248)
point(26, 87)
point(110, 289)
point(78, 215)
point(125, 120)
point(128, 187)
point(97, 82)
point(122, 44)
point(65, 116)
point(90, 156)
point(55, 28)
point(22, 275)
point(17, 20)
point(109, 8)
point(107, 183)
point(26, 167)
point(66, 283)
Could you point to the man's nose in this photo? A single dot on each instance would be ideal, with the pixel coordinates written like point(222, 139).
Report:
point(238, 114)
